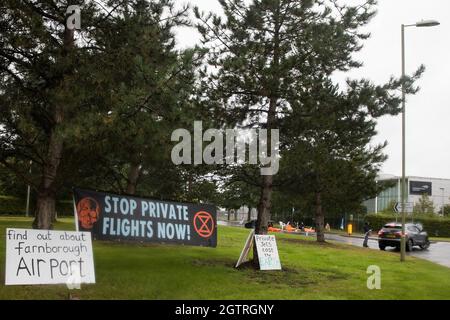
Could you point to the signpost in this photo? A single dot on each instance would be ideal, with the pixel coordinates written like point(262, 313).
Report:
point(267, 252)
point(48, 257)
point(409, 206)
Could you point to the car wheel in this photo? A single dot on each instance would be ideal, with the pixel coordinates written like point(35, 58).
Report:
point(409, 245)
point(382, 247)
point(425, 246)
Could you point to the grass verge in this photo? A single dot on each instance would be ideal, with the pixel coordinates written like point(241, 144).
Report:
point(310, 271)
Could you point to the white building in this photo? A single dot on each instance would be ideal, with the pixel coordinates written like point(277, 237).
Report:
point(437, 189)
point(237, 215)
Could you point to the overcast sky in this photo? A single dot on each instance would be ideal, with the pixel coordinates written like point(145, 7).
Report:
point(428, 113)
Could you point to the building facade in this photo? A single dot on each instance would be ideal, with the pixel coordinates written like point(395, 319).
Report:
point(438, 191)
point(237, 215)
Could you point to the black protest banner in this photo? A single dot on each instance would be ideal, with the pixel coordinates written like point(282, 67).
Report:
point(116, 217)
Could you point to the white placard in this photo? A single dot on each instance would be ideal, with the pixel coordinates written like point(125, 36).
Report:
point(267, 252)
point(48, 257)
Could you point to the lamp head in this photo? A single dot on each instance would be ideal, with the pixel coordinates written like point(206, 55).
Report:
point(427, 23)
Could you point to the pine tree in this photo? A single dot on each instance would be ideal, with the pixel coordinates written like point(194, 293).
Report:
point(269, 58)
point(91, 105)
point(267, 52)
point(44, 68)
point(152, 85)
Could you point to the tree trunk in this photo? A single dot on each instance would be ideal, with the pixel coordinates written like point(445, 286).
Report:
point(249, 214)
point(45, 208)
point(267, 180)
point(46, 193)
point(265, 198)
point(319, 219)
point(263, 212)
point(133, 177)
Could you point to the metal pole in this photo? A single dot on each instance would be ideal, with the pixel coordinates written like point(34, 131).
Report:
point(292, 216)
point(27, 212)
point(403, 244)
point(376, 200)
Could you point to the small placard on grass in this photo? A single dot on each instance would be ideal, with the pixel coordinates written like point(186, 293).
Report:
point(267, 252)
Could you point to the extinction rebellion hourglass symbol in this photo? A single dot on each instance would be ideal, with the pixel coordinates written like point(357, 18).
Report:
point(203, 224)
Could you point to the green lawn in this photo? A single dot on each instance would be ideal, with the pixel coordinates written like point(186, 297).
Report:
point(310, 271)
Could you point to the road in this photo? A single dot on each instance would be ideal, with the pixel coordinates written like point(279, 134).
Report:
point(438, 252)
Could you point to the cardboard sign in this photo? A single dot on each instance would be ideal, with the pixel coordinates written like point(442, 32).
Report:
point(267, 252)
point(246, 250)
point(117, 217)
point(48, 257)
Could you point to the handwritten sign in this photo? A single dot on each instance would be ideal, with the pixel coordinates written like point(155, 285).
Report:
point(267, 252)
point(48, 257)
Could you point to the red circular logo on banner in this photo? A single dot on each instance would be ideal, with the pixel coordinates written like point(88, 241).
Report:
point(204, 224)
point(88, 212)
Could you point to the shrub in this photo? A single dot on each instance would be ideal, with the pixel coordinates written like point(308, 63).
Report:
point(447, 210)
point(424, 205)
point(17, 206)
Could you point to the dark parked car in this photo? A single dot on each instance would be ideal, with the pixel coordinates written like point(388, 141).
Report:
point(251, 224)
point(390, 236)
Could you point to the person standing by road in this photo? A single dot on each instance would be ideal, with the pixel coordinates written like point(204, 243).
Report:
point(367, 231)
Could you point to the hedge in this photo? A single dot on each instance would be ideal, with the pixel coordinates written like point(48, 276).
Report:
point(17, 206)
point(435, 226)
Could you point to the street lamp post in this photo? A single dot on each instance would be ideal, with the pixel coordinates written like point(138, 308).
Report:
point(443, 200)
point(425, 23)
